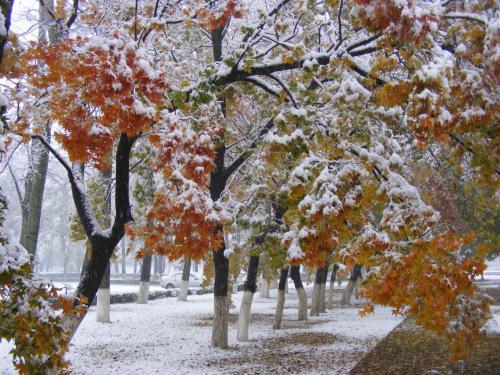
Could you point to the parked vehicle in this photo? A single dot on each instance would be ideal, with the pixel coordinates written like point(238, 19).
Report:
point(173, 280)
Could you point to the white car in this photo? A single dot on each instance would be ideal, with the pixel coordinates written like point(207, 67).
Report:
point(173, 280)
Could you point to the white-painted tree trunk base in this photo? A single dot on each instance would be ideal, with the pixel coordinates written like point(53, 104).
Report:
point(143, 294)
point(315, 300)
point(264, 289)
point(183, 291)
point(330, 296)
point(278, 314)
point(219, 328)
point(103, 299)
point(301, 293)
point(244, 318)
point(322, 296)
point(346, 296)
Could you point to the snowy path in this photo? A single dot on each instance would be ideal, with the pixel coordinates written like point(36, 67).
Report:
point(170, 337)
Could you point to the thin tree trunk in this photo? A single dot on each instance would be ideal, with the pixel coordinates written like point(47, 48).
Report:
point(316, 292)
point(143, 295)
point(25, 206)
point(332, 286)
point(301, 293)
point(264, 287)
point(280, 304)
point(40, 155)
point(183, 293)
point(124, 256)
point(155, 266)
point(35, 196)
point(163, 265)
point(355, 274)
point(322, 290)
point(249, 288)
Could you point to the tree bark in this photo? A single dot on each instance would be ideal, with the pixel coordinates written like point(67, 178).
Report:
point(301, 293)
point(249, 289)
point(143, 295)
point(183, 293)
point(332, 286)
point(280, 304)
point(355, 274)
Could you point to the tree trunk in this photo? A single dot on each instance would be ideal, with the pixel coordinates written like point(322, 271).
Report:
point(220, 323)
point(264, 287)
point(249, 288)
point(301, 293)
point(103, 297)
point(102, 244)
point(316, 292)
point(155, 266)
point(332, 286)
point(183, 293)
point(143, 295)
point(35, 195)
point(124, 256)
point(280, 304)
point(355, 274)
point(163, 265)
point(221, 275)
point(25, 205)
point(322, 290)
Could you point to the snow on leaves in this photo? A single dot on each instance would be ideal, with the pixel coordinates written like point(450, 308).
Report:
point(99, 88)
point(28, 310)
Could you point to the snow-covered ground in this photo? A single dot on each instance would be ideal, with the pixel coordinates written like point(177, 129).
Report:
point(171, 337)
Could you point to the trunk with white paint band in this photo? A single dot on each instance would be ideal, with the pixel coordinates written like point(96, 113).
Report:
point(186, 271)
point(280, 304)
point(143, 295)
point(301, 293)
point(249, 287)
